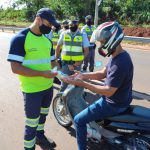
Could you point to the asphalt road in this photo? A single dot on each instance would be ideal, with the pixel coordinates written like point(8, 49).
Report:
point(11, 102)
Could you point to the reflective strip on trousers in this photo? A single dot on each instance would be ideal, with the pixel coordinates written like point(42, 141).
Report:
point(29, 144)
point(40, 127)
point(32, 122)
point(44, 110)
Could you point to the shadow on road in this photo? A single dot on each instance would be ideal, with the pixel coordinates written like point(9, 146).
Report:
point(91, 145)
point(71, 131)
point(46, 147)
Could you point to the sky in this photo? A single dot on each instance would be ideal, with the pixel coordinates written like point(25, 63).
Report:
point(6, 3)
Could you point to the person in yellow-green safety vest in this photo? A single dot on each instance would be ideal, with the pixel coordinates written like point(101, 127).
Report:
point(30, 57)
point(90, 59)
point(74, 46)
point(54, 36)
point(64, 26)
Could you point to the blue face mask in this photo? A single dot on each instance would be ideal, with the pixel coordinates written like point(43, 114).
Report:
point(44, 29)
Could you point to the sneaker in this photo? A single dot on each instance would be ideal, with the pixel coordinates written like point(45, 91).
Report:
point(91, 69)
point(84, 68)
point(44, 141)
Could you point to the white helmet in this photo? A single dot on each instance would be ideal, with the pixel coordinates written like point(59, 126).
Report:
point(111, 33)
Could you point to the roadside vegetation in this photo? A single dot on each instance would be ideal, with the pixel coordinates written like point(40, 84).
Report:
point(128, 12)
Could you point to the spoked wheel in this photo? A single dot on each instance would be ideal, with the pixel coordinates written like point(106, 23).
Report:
point(138, 143)
point(60, 112)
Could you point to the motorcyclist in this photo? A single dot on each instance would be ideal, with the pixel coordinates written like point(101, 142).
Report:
point(118, 75)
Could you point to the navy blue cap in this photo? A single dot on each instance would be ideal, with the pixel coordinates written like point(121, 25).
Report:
point(47, 14)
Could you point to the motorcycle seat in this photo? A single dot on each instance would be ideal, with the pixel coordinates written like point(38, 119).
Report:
point(134, 114)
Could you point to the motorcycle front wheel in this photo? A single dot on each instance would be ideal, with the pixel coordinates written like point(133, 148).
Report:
point(60, 112)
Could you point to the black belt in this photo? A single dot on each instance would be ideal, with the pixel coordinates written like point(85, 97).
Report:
point(68, 62)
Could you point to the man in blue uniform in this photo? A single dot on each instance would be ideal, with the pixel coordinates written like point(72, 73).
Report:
point(30, 57)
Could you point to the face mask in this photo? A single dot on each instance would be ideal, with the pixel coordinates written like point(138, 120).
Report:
point(74, 28)
point(89, 23)
point(56, 30)
point(101, 52)
point(66, 27)
point(44, 29)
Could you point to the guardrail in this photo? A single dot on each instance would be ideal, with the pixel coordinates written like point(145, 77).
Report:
point(14, 29)
point(126, 38)
point(137, 39)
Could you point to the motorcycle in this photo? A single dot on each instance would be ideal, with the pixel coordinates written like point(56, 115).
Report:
point(129, 130)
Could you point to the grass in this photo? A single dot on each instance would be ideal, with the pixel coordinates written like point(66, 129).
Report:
point(14, 23)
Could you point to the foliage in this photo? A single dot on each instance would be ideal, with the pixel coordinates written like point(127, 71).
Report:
point(128, 12)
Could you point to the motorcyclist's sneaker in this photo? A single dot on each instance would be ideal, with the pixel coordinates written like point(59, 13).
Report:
point(44, 141)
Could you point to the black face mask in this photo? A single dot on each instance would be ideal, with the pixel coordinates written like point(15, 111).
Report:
point(74, 28)
point(66, 27)
point(56, 29)
point(44, 29)
point(89, 23)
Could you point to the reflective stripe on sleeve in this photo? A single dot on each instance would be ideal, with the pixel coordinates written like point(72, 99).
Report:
point(15, 57)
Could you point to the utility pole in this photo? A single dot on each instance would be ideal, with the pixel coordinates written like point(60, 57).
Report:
point(97, 4)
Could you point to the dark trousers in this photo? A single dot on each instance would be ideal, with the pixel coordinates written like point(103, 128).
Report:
point(36, 106)
point(90, 59)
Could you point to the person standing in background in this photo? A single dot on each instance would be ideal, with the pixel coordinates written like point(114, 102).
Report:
point(54, 36)
point(65, 25)
point(74, 49)
point(90, 59)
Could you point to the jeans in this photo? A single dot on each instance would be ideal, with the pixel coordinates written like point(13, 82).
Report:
point(98, 110)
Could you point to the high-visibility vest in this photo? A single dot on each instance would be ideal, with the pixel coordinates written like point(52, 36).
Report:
point(72, 49)
point(89, 31)
point(37, 57)
point(55, 38)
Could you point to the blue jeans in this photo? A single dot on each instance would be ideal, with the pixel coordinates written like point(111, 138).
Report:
point(99, 110)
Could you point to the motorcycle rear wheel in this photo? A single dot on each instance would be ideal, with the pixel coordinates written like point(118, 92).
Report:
point(60, 112)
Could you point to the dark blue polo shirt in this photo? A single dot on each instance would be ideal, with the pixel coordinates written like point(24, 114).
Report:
point(120, 75)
